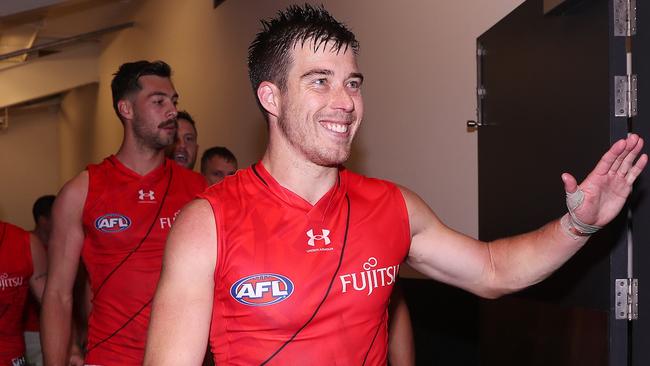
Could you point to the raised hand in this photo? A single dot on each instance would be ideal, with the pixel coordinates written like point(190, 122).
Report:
point(607, 187)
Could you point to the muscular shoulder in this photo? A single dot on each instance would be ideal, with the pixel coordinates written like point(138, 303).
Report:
point(72, 196)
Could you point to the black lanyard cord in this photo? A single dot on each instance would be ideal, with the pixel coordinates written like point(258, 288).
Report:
point(329, 288)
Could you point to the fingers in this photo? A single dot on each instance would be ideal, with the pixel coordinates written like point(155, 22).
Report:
point(620, 157)
point(634, 172)
point(570, 183)
point(628, 161)
point(612, 158)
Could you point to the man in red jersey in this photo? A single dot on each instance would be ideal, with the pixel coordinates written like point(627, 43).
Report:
point(23, 265)
point(292, 261)
point(116, 216)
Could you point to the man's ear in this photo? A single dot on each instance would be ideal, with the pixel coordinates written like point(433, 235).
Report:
point(125, 108)
point(269, 96)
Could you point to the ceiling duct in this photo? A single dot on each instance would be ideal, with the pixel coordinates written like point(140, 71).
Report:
point(65, 41)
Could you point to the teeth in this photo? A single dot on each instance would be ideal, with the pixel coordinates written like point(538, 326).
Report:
point(336, 127)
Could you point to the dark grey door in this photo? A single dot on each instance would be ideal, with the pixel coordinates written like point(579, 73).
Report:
point(547, 109)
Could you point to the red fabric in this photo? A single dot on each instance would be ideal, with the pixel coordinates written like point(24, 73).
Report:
point(120, 208)
point(268, 231)
point(15, 270)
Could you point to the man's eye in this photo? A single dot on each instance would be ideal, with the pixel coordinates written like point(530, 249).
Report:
point(354, 84)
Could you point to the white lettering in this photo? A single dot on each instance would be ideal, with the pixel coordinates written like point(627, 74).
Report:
point(165, 222)
point(276, 289)
point(344, 282)
point(246, 290)
point(371, 278)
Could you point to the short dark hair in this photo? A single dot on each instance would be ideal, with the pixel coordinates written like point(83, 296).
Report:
point(125, 80)
point(186, 116)
point(43, 207)
point(269, 54)
point(221, 151)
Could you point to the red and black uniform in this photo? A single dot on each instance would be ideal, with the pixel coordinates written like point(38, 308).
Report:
point(299, 284)
point(16, 268)
point(126, 219)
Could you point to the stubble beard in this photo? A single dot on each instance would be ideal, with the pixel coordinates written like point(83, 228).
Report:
point(152, 138)
point(300, 139)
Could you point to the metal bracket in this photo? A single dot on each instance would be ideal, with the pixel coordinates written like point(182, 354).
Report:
point(480, 89)
point(624, 18)
point(625, 96)
point(627, 299)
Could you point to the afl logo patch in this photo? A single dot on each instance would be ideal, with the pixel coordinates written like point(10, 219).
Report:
point(262, 289)
point(112, 223)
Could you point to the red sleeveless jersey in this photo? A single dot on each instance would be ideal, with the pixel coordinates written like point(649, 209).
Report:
point(126, 220)
point(297, 284)
point(16, 268)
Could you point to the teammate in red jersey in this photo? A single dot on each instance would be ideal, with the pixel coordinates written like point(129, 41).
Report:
point(300, 269)
point(116, 216)
point(23, 265)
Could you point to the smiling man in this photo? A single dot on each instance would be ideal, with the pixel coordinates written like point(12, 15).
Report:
point(292, 261)
point(185, 147)
point(116, 215)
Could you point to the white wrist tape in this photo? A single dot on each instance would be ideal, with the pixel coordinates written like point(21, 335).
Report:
point(573, 201)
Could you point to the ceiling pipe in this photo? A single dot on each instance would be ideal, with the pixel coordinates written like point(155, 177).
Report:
point(65, 41)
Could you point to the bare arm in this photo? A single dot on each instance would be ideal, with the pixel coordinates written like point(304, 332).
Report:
point(180, 318)
point(64, 251)
point(401, 347)
point(507, 265)
point(39, 260)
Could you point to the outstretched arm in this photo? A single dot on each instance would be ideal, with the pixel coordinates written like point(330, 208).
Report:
point(64, 251)
point(510, 264)
point(180, 318)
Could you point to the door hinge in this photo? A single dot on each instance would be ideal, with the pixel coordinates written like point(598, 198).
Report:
point(624, 18)
point(627, 298)
point(625, 96)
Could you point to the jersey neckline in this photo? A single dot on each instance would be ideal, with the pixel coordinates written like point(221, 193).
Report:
point(317, 211)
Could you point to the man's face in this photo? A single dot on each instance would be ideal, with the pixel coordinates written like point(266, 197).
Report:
point(185, 147)
point(322, 106)
point(154, 112)
point(218, 168)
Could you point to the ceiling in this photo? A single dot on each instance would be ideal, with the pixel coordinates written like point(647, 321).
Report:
point(55, 28)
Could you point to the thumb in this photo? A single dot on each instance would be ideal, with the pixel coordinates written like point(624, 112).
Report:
point(570, 183)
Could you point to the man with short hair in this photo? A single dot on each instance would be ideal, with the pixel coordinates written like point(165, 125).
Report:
point(185, 147)
point(217, 163)
point(293, 260)
point(23, 266)
point(116, 215)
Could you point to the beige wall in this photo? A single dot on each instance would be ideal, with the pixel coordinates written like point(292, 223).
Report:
point(76, 117)
point(28, 164)
point(419, 63)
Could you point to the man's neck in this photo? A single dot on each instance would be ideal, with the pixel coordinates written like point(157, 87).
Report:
point(304, 178)
point(140, 159)
point(41, 234)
